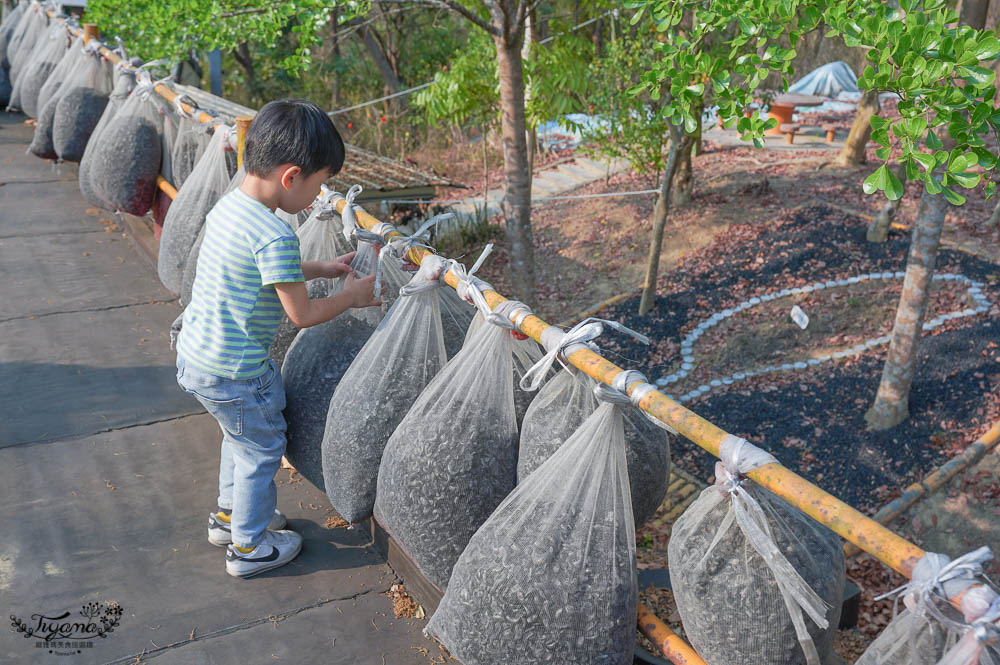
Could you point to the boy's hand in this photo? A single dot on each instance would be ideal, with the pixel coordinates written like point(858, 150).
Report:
point(362, 291)
point(339, 266)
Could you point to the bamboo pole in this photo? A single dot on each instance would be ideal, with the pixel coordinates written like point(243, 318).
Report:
point(166, 187)
point(242, 126)
point(675, 649)
point(976, 451)
point(90, 31)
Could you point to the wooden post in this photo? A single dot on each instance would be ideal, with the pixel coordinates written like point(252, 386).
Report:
point(90, 31)
point(242, 125)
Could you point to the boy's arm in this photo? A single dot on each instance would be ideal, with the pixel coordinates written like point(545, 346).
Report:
point(329, 269)
point(305, 313)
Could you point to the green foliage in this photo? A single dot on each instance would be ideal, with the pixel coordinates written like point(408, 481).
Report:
point(467, 92)
point(172, 30)
point(919, 51)
point(556, 73)
point(718, 52)
point(633, 126)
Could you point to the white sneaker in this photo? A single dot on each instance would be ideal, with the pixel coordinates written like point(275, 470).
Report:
point(220, 533)
point(276, 549)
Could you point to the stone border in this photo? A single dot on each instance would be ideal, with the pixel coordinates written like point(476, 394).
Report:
point(687, 344)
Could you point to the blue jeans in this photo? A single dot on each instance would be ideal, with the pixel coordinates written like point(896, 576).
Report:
point(253, 441)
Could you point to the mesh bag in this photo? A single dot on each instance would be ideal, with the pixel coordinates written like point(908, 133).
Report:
point(315, 363)
point(70, 60)
point(5, 88)
point(187, 213)
point(550, 577)
point(320, 239)
point(453, 457)
point(129, 151)
point(929, 631)
point(567, 400)
point(23, 40)
point(294, 220)
point(7, 30)
point(124, 84)
point(405, 352)
point(192, 139)
point(89, 81)
point(766, 590)
point(47, 55)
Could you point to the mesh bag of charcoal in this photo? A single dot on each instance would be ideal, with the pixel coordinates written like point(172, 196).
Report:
point(44, 57)
point(76, 105)
point(453, 457)
point(320, 239)
point(756, 581)
point(405, 352)
point(316, 362)
point(125, 82)
point(550, 577)
point(127, 158)
point(189, 146)
point(568, 399)
point(187, 213)
point(928, 631)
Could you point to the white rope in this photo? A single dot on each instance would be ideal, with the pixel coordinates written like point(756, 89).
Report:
point(567, 197)
point(430, 83)
point(617, 393)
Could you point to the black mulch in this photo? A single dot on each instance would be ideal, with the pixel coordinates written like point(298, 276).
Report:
point(813, 420)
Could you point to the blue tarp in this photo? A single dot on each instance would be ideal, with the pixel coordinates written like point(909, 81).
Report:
point(830, 80)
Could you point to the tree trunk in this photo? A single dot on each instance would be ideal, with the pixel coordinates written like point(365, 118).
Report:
point(853, 153)
point(684, 179)
point(891, 405)
point(381, 61)
point(973, 13)
point(517, 198)
point(242, 55)
point(598, 38)
point(995, 217)
point(335, 56)
point(660, 220)
point(486, 174)
point(878, 230)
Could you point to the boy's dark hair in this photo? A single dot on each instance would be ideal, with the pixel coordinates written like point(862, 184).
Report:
point(292, 131)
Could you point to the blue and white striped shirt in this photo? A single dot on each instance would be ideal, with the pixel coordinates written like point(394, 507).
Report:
point(234, 312)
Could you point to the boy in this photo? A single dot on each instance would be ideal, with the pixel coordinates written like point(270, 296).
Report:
point(248, 272)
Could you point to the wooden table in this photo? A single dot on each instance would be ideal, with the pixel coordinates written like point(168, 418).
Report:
point(783, 106)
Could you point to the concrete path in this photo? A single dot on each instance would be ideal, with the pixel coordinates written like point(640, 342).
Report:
point(554, 181)
point(108, 470)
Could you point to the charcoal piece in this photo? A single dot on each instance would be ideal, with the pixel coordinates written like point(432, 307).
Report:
point(453, 457)
point(41, 142)
point(186, 216)
point(314, 365)
point(401, 357)
point(34, 79)
point(124, 83)
point(77, 114)
point(567, 400)
point(127, 163)
point(550, 577)
point(5, 88)
point(729, 602)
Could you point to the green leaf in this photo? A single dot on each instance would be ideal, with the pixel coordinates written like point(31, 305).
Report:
point(933, 142)
point(878, 122)
point(893, 188)
point(877, 181)
point(883, 153)
point(967, 180)
point(953, 197)
point(931, 185)
point(927, 162)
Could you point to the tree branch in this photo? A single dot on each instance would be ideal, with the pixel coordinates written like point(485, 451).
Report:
point(457, 8)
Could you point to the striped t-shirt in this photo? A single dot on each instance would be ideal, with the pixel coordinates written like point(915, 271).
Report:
point(234, 312)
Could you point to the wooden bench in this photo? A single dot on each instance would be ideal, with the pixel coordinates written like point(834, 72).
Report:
point(789, 129)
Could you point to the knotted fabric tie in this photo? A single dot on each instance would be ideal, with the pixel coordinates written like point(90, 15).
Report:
point(559, 344)
point(739, 457)
point(981, 607)
point(617, 393)
point(428, 277)
point(470, 288)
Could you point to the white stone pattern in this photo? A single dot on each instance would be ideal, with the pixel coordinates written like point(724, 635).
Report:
point(687, 344)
